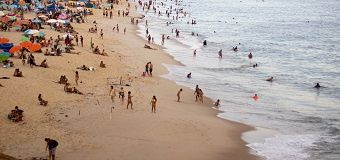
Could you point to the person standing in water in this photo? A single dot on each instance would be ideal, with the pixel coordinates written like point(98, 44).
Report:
point(197, 90)
point(195, 53)
point(250, 56)
point(179, 95)
point(129, 101)
point(220, 54)
point(153, 104)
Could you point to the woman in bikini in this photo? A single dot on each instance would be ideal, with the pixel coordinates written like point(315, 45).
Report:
point(129, 100)
point(153, 104)
point(76, 77)
point(121, 95)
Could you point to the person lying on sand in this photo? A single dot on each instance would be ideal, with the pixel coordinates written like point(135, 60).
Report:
point(148, 47)
point(17, 73)
point(83, 68)
point(42, 102)
point(67, 89)
point(44, 64)
point(102, 65)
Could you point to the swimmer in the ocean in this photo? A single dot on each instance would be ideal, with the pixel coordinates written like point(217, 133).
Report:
point(317, 85)
point(270, 79)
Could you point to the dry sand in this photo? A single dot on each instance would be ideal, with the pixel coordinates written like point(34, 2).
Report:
point(82, 124)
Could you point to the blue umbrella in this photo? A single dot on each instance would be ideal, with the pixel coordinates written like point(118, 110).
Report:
point(61, 7)
point(84, 1)
point(26, 32)
point(13, 6)
point(36, 21)
point(6, 53)
point(67, 21)
point(41, 6)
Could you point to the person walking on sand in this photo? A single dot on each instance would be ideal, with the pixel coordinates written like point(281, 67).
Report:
point(197, 90)
point(129, 101)
point(147, 68)
point(151, 68)
point(76, 77)
point(82, 41)
point(201, 95)
point(124, 30)
point(153, 104)
point(112, 94)
point(121, 95)
point(52, 147)
point(101, 33)
point(179, 95)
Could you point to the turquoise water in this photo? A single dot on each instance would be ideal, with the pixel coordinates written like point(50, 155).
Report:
point(294, 41)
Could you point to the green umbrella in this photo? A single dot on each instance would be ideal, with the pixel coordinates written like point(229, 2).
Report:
point(6, 11)
point(24, 39)
point(3, 57)
point(13, 18)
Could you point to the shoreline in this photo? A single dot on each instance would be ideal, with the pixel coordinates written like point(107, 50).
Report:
point(71, 127)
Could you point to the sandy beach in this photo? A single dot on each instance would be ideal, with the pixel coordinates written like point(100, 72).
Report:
point(84, 125)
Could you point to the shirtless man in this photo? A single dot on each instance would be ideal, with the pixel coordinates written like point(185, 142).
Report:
point(179, 95)
point(151, 68)
point(102, 65)
point(112, 93)
point(129, 101)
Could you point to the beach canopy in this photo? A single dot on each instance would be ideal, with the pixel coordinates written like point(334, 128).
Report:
point(39, 34)
point(22, 39)
point(52, 21)
point(14, 49)
point(26, 44)
point(4, 40)
point(36, 21)
point(35, 47)
point(3, 57)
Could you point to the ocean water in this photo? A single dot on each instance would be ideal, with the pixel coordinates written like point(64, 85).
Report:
point(295, 41)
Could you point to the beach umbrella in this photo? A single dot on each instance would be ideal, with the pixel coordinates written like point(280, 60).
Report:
point(13, 6)
point(69, 35)
point(32, 31)
point(36, 21)
point(6, 53)
point(81, 4)
point(67, 21)
point(89, 5)
point(12, 18)
point(79, 8)
point(3, 6)
point(6, 46)
point(21, 22)
point(3, 57)
point(4, 40)
point(42, 16)
point(22, 39)
point(52, 21)
point(21, 3)
point(61, 7)
point(39, 34)
point(35, 47)
point(14, 49)
point(60, 21)
point(5, 19)
point(41, 6)
point(62, 16)
point(26, 44)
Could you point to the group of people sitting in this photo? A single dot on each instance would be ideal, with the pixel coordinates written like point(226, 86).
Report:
point(62, 80)
point(96, 51)
point(16, 114)
point(71, 89)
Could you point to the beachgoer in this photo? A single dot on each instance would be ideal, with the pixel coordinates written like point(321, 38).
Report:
point(317, 85)
point(82, 41)
point(250, 56)
point(201, 95)
point(121, 95)
point(195, 53)
point(147, 68)
point(76, 76)
point(197, 90)
point(189, 75)
point(129, 101)
point(112, 93)
point(52, 147)
point(270, 79)
point(204, 42)
point(44, 64)
point(42, 102)
point(217, 103)
point(220, 54)
point(151, 68)
point(18, 73)
point(256, 97)
point(179, 95)
point(153, 104)
point(102, 65)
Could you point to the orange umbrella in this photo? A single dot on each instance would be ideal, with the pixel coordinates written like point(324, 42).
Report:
point(21, 22)
point(4, 40)
point(1, 50)
point(14, 49)
point(21, 3)
point(25, 44)
point(35, 47)
point(5, 19)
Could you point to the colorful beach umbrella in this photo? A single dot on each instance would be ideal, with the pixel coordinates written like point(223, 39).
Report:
point(36, 21)
point(21, 3)
point(31, 31)
point(3, 57)
point(3, 5)
point(14, 49)
point(5, 19)
point(24, 39)
point(4, 40)
point(39, 34)
point(1, 50)
point(6, 53)
point(61, 7)
point(35, 47)
point(52, 21)
point(26, 22)
point(26, 44)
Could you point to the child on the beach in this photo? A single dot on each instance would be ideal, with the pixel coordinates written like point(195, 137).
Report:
point(153, 104)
